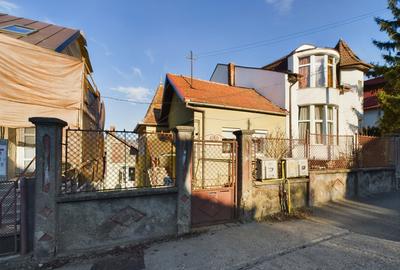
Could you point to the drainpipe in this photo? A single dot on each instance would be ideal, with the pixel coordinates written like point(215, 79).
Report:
point(292, 79)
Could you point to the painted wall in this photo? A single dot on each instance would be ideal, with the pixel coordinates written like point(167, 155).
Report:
point(274, 86)
point(371, 118)
point(268, 83)
point(218, 119)
point(179, 114)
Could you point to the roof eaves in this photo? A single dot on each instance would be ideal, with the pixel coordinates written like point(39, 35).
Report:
point(203, 104)
point(68, 41)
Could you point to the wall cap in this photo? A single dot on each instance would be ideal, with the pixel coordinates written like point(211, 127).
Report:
point(243, 132)
point(119, 194)
point(178, 129)
point(47, 121)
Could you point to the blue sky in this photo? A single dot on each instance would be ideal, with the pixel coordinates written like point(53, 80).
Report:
point(133, 44)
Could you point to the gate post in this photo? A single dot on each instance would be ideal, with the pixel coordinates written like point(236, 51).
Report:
point(183, 164)
point(244, 174)
point(47, 183)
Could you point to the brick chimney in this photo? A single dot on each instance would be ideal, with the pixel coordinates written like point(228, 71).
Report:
point(231, 74)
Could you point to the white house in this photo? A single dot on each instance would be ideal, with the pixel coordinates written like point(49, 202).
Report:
point(372, 110)
point(321, 88)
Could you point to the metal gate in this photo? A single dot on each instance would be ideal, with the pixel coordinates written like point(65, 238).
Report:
point(213, 182)
point(9, 217)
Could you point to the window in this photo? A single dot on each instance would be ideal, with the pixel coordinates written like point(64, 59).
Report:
point(330, 124)
point(18, 29)
point(319, 71)
point(28, 148)
point(226, 146)
point(304, 71)
point(319, 123)
point(330, 71)
point(304, 121)
point(259, 140)
point(318, 120)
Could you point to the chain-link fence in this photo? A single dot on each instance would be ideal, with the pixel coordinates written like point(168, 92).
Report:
point(9, 217)
point(278, 149)
point(100, 160)
point(213, 164)
point(376, 151)
point(331, 151)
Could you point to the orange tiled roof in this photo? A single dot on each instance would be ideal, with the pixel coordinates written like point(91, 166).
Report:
point(371, 88)
point(154, 109)
point(211, 93)
point(348, 58)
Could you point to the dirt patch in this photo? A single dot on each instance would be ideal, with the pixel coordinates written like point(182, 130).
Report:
point(301, 213)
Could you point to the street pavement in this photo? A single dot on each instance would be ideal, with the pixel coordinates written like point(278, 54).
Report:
point(349, 234)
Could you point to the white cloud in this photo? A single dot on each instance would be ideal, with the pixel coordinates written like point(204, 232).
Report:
point(7, 6)
point(138, 94)
point(150, 55)
point(137, 72)
point(282, 5)
point(128, 75)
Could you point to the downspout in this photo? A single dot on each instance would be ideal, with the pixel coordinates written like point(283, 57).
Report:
point(292, 79)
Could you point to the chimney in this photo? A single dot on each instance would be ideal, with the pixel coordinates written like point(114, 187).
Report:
point(231, 74)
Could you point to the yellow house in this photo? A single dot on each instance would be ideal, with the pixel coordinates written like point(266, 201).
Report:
point(216, 110)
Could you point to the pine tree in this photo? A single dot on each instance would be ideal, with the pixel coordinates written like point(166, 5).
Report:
point(389, 99)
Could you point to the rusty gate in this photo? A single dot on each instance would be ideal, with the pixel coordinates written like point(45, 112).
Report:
point(213, 181)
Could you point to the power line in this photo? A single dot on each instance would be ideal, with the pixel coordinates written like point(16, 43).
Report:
point(288, 36)
point(210, 97)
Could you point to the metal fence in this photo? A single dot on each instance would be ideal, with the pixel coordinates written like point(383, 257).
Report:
point(213, 164)
point(375, 151)
point(331, 151)
point(103, 160)
point(9, 217)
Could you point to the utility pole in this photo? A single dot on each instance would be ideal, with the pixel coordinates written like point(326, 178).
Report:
point(191, 58)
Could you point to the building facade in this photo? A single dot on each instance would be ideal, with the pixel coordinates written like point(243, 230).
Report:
point(321, 88)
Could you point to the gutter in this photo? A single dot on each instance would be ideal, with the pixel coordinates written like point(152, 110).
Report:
point(233, 108)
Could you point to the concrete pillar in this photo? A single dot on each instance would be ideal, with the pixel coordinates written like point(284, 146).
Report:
point(244, 174)
point(184, 145)
point(48, 179)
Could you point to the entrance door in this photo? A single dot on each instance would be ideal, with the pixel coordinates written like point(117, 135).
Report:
point(213, 182)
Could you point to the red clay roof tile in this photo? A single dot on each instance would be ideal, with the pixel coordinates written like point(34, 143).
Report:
point(211, 93)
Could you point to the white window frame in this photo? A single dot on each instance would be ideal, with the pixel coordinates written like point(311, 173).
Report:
point(313, 73)
point(312, 121)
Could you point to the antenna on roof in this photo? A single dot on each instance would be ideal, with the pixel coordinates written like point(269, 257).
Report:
point(191, 58)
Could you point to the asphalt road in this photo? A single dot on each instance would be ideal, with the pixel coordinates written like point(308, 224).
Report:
point(348, 234)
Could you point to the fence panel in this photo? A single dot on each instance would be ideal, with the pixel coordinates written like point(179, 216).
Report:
point(331, 151)
point(214, 164)
point(102, 160)
point(376, 151)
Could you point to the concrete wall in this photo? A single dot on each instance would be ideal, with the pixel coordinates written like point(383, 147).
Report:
point(332, 185)
point(266, 199)
point(99, 220)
